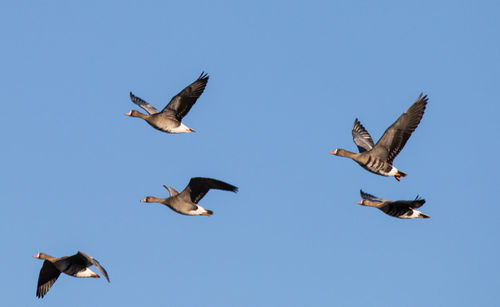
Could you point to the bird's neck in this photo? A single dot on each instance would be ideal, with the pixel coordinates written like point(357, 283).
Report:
point(47, 257)
point(157, 200)
point(346, 153)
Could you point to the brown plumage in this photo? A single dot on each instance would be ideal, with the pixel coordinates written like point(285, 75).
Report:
point(186, 202)
point(76, 265)
point(403, 209)
point(378, 158)
point(169, 119)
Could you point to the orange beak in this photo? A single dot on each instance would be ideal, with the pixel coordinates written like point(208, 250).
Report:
point(129, 113)
point(333, 152)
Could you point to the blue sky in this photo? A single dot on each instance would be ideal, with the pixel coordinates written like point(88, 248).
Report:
point(286, 82)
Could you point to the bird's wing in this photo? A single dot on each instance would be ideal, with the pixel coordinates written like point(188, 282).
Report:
point(92, 261)
point(198, 187)
point(361, 137)
point(181, 103)
point(397, 208)
point(171, 190)
point(396, 136)
point(417, 203)
point(370, 197)
point(48, 276)
point(143, 104)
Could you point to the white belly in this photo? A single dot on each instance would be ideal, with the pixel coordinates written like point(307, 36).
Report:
point(86, 273)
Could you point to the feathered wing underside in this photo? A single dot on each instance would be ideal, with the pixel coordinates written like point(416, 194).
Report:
point(89, 260)
point(361, 137)
point(396, 209)
point(396, 136)
point(48, 276)
point(198, 187)
point(143, 104)
point(181, 103)
point(370, 197)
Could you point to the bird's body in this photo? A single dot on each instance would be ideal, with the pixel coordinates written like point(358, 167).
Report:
point(403, 209)
point(170, 118)
point(186, 202)
point(76, 266)
point(378, 158)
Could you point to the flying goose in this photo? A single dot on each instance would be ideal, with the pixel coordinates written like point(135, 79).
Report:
point(403, 209)
point(76, 265)
point(186, 202)
point(169, 119)
point(378, 158)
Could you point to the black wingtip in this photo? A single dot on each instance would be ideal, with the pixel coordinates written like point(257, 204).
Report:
point(423, 98)
point(203, 76)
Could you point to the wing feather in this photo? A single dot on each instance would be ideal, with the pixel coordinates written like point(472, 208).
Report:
point(143, 104)
point(181, 103)
point(48, 276)
point(198, 187)
point(396, 136)
point(361, 137)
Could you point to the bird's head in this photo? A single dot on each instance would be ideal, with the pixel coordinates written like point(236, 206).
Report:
point(132, 113)
point(148, 199)
point(40, 256)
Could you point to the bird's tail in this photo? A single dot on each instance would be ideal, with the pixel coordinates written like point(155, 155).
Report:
point(208, 213)
point(423, 216)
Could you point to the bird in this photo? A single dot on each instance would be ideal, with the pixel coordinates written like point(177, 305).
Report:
point(186, 202)
point(403, 209)
point(169, 119)
point(378, 158)
point(76, 266)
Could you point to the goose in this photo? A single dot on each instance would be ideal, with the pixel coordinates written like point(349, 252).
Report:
point(186, 202)
point(403, 209)
point(378, 158)
point(76, 266)
point(169, 119)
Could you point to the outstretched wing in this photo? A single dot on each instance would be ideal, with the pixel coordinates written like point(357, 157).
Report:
point(370, 197)
point(93, 261)
point(198, 187)
point(361, 137)
point(181, 103)
point(396, 136)
point(143, 104)
point(417, 203)
point(48, 276)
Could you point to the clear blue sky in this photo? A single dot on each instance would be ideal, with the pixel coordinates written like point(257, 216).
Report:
point(286, 82)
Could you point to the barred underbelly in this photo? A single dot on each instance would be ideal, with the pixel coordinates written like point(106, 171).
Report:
point(378, 166)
